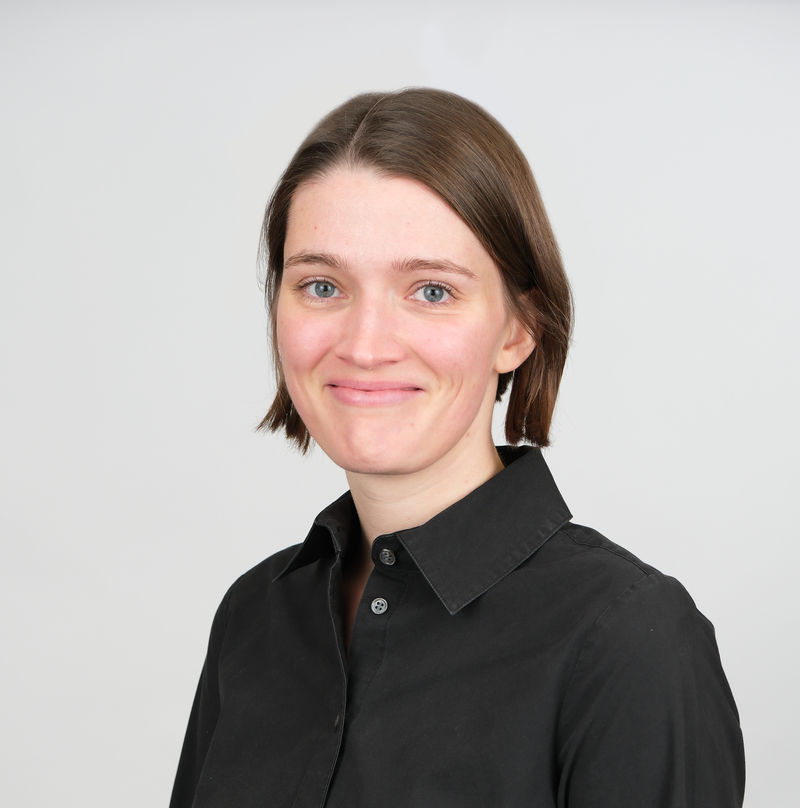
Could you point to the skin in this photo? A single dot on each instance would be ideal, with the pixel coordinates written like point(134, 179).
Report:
point(394, 379)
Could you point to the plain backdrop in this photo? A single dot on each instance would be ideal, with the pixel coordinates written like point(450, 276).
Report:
point(138, 146)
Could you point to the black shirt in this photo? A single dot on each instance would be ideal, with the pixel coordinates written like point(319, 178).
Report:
point(501, 656)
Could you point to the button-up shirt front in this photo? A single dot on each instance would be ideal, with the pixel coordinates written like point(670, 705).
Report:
point(501, 655)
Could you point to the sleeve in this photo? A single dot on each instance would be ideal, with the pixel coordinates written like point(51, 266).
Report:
point(203, 717)
point(649, 720)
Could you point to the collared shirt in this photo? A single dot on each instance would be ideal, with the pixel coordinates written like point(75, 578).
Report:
point(501, 656)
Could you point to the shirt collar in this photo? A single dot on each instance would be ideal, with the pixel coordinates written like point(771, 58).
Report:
point(470, 546)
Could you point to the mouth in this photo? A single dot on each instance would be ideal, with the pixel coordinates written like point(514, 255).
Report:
point(372, 393)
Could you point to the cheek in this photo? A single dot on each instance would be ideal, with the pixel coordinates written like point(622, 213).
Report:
point(302, 342)
point(465, 355)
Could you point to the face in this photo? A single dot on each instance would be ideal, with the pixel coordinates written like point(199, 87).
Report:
point(391, 324)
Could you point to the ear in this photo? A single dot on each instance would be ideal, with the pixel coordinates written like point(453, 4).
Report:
point(519, 344)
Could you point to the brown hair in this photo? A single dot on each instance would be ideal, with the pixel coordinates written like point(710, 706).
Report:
point(460, 152)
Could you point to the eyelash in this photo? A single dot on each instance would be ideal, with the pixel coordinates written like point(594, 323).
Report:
point(303, 285)
point(437, 285)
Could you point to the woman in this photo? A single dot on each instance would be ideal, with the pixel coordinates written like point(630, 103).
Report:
point(444, 636)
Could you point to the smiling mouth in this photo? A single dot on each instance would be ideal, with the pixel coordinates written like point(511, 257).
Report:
point(372, 393)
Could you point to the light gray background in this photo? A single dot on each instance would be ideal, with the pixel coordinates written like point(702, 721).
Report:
point(139, 143)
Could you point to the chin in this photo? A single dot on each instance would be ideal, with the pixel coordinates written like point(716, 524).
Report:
point(375, 461)
point(365, 454)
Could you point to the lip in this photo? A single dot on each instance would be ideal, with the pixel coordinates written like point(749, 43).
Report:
point(372, 393)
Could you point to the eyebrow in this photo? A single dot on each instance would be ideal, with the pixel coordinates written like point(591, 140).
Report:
point(303, 258)
point(434, 265)
point(403, 266)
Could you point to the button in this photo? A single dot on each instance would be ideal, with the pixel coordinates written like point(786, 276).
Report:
point(387, 557)
point(379, 605)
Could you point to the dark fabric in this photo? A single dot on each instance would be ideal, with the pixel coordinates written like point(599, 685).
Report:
point(522, 661)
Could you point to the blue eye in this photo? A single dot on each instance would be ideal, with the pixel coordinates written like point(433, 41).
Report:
point(322, 289)
point(433, 293)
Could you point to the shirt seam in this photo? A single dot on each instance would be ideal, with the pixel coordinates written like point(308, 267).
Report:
point(590, 633)
point(634, 561)
point(227, 602)
point(224, 609)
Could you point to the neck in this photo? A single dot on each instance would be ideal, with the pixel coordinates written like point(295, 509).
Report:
point(387, 503)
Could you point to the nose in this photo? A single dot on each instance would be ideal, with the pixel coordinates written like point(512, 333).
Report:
point(370, 335)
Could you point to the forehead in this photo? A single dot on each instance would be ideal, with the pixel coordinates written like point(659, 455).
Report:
point(368, 217)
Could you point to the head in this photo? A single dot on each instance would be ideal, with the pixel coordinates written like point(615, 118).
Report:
point(453, 150)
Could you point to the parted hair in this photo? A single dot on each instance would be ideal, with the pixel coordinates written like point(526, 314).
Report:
point(460, 152)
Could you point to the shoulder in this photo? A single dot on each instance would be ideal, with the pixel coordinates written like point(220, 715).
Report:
point(647, 705)
point(621, 609)
point(641, 628)
point(624, 584)
point(253, 586)
point(581, 568)
point(632, 585)
point(653, 629)
point(584, 544)
point(265, 571)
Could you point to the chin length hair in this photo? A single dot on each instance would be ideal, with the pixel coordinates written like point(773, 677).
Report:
point(461, 153)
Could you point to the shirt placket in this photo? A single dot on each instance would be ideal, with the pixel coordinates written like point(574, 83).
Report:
point(380, 603)
point(314, 786)
point(382, 598)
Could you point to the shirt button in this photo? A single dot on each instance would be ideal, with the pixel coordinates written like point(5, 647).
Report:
point(387, 557)
point(379, 605)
